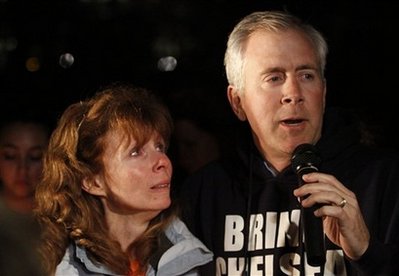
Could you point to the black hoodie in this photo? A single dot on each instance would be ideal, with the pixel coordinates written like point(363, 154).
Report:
point(221, 200)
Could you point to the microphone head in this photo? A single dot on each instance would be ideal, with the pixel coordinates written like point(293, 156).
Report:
point(305, 156)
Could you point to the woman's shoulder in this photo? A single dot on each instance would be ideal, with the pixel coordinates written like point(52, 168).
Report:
point(186, 252)
point(76, 263)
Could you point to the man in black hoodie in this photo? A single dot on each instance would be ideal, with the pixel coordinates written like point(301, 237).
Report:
point(248, 208)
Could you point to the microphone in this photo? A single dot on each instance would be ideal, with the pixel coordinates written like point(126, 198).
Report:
point(306, 159)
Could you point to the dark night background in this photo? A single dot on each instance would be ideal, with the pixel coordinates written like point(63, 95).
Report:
point(123, 40)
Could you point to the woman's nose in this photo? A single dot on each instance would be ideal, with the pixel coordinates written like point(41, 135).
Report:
point(162, 161)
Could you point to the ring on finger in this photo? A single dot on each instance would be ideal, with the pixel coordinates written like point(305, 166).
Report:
point(342, 203)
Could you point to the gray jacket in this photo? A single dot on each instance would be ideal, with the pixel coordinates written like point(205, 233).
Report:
point(184, 257)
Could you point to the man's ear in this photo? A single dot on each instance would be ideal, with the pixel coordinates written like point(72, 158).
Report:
point(94, 186)
point(235, 102)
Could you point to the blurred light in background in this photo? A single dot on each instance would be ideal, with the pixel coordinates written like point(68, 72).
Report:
point(167, 64)
point(66, 60)
point(32, 64)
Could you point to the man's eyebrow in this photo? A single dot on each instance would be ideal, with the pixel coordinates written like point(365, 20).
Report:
point(306, 67)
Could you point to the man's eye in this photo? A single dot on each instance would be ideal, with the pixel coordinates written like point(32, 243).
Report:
point(275, 77)
point(308, 76)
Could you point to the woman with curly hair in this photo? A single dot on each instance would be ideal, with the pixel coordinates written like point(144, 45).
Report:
point(104, 202)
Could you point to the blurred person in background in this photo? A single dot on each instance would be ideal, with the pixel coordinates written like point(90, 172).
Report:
point(202, 132)
point(23, 141)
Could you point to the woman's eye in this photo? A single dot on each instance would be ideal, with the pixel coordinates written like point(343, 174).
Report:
point(161, 148)
point(36, 156)
point(135, 152)
point(9, 156)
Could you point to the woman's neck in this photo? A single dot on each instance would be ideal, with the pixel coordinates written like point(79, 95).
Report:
point(19, 205)
point(127, 228)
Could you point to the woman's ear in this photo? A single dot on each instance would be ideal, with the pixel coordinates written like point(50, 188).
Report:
point(235, 102)
point(94, 186)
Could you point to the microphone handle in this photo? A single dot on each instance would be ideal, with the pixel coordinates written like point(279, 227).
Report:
point(312, 227)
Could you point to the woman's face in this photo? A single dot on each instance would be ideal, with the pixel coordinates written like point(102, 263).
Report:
point(21, 150)
point(136, 179)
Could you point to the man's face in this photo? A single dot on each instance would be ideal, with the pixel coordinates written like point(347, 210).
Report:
point(284, 92)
